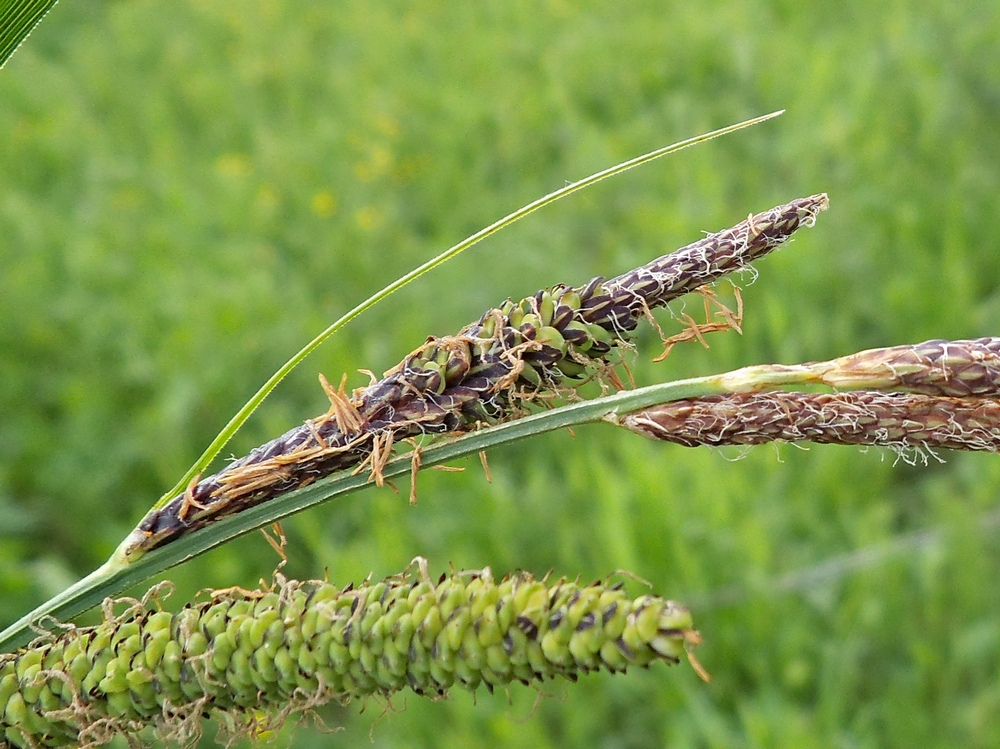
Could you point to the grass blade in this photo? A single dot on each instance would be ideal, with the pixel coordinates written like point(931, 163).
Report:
point(118, 573)
point(17, 20)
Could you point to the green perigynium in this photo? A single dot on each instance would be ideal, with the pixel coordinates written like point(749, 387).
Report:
point(247, 653)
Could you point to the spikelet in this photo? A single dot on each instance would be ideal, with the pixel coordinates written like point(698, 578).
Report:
point(251, 653)
point(938, 367)
point(515, 354)
point(909, 423)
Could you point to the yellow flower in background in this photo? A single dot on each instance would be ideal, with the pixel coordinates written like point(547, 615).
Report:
point(368, 217)
point(234, 165)
point(324, 204)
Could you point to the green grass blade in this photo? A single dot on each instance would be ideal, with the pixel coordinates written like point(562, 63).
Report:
point(17, 19)
point(117, 575)
point(251, 405)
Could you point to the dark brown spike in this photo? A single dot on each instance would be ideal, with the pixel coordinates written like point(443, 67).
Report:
point(911, 423)
point(487, 379)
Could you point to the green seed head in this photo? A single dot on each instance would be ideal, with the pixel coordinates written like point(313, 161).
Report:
point(308, 643)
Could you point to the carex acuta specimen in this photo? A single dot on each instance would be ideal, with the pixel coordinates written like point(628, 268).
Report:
point(513, 355)
point(910, 398)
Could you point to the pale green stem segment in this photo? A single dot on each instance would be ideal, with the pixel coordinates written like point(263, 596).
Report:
point(114, 577)
point(18, 18)
point(244, 413)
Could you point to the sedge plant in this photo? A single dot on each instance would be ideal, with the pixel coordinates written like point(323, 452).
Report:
point(249, 658)
point(145, 668)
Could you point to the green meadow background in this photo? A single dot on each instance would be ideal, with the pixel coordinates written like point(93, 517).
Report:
point(189, 191)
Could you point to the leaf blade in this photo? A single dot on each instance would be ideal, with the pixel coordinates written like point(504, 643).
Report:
point(18, 18)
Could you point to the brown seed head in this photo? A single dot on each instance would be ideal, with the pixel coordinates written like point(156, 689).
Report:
point(910, 423)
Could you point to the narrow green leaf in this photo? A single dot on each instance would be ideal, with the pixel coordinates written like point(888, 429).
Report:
point(117, 575)
point(17, 19)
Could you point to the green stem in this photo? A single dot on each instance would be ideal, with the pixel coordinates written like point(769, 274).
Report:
point(117, 574)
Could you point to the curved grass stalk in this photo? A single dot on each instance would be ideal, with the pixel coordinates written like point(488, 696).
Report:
point(251, 405)
point(120, 571)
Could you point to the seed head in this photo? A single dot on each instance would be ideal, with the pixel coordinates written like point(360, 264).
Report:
point(307, 643)
point(514, 354)
point(938, 367)
point(911, 423)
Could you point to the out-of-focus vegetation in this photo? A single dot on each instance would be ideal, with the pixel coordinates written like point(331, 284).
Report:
point(189, 191)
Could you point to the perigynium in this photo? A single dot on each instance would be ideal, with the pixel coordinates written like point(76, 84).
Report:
point(251, 658)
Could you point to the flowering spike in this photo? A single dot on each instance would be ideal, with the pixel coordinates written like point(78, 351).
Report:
point(248, 654)
point(515, 353)
point(938, 367)
point(910, 423)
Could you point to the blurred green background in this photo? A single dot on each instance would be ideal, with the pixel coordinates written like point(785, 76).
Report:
point(189, 191)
